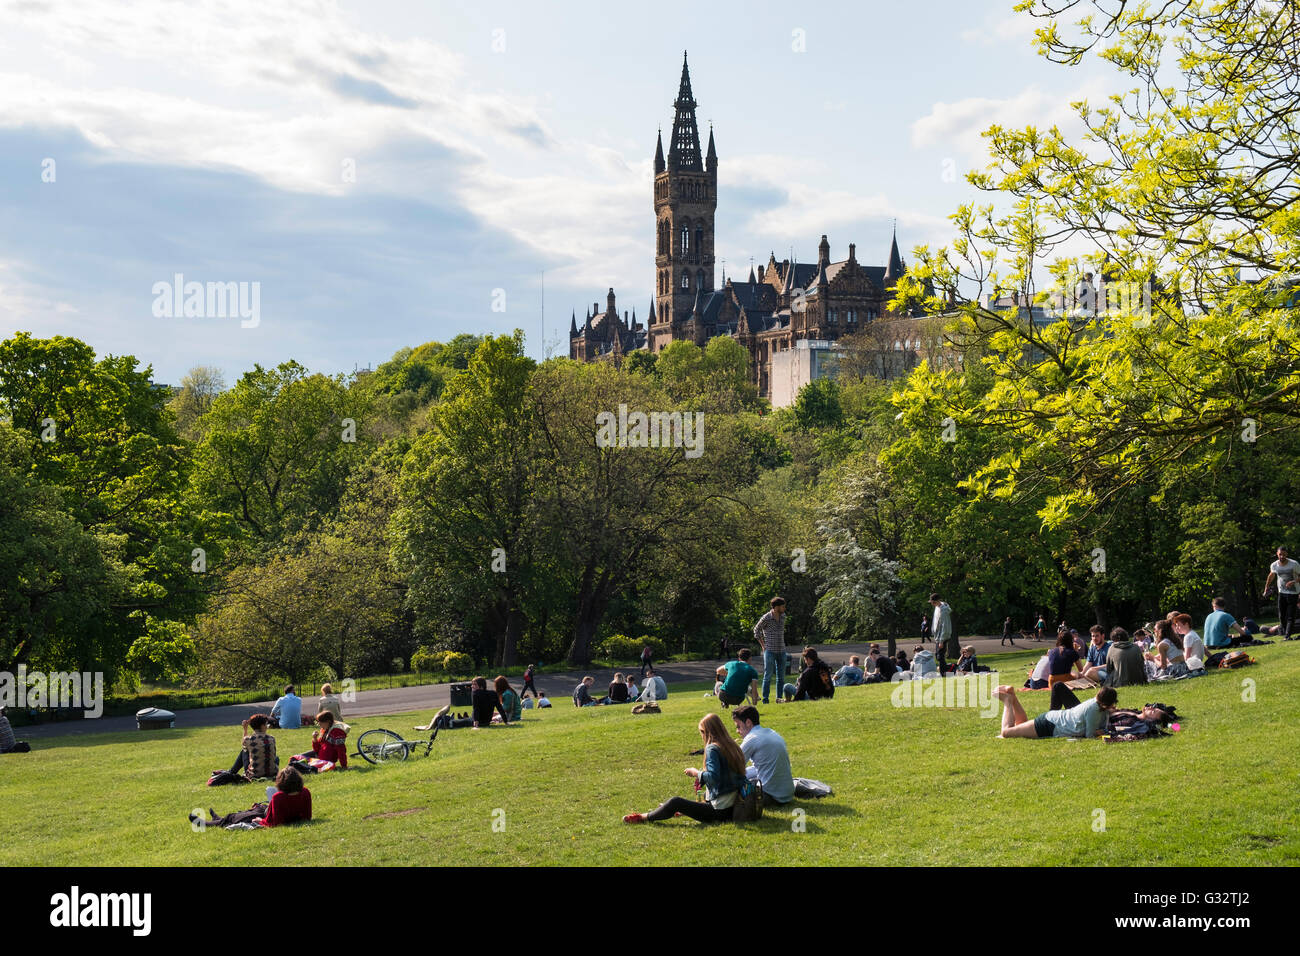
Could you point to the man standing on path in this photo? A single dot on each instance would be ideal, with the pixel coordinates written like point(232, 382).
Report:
point(770, 632)
point(945, 641)
point(1287, 573)
point(1006, 633)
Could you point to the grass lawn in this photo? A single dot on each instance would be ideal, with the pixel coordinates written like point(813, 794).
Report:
point(929, 786)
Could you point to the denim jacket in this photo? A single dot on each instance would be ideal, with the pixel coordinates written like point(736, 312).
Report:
point(717, 778)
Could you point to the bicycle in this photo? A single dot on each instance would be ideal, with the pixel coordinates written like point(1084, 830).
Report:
point(381, 746)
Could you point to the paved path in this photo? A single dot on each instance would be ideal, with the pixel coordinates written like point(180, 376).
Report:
point(427, 698)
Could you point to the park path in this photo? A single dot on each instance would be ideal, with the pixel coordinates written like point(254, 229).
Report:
point(427, 698)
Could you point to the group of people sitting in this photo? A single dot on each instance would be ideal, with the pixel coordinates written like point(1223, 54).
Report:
point(499, 704)
point(622, 690)
point(1169, 649)
point(738, 680)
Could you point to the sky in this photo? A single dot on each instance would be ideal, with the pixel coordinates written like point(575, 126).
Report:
point(381, 174)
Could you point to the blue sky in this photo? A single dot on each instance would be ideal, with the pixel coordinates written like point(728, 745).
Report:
point(382, 169)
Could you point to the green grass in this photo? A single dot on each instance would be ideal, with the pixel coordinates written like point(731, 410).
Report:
point(912, 786)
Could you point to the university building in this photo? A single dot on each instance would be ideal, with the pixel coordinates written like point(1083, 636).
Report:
point(781, 306)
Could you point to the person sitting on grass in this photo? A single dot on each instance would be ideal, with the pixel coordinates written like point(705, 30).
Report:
point(1168, 652)
point(850, 675)
point(771, 761)
point(900, 661)
point(632, 690)
point(511, 703)
point(1219, 624)
point(483, 702)
point(289, 801)
point(617, 691)
point(815, 680)
point(654, 688)
point(1193, 646)
point(738, 680)
point(543, 700)
point(287, 712)
point(329, 741)
point(923, 663)
point(721, 779)
point(1086, 720)
point(8, 743)
point(885, 670)
point(582, 693)
point(966, 664)
point(330, 701)
point(257, 759)
point(1061, 658)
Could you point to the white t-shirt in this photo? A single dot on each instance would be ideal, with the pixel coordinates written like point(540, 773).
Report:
point(1040, 669)
point(1172, 653)
point(1193, 647)
point(1288, 576)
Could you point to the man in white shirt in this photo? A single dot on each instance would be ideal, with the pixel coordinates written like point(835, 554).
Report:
point(1193, 646)
point(766, 748)
point(1287, 573)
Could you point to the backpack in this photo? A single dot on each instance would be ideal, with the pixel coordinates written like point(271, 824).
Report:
point(1236, 659)
point(646, 709)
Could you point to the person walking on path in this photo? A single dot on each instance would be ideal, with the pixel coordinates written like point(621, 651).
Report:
point(529, 676)
point(1006, 633)
point(770, 633)
point(647, 656)
point(945, 641)
point(1287, 572)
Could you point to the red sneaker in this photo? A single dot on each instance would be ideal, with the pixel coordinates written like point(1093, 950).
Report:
point(634, 818)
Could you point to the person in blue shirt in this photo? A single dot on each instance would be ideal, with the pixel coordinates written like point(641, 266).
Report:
point(1218, 624)
point(766, 748)
point(850, 675)
point(741, 679)
point(288, 710)
point(1086, 720)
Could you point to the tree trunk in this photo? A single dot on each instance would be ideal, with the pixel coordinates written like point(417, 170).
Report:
point(514, 630)
point(593, 598)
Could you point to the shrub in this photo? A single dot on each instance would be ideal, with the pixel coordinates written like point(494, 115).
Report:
point(457, 664)
point(427, 661)
point(620, 647)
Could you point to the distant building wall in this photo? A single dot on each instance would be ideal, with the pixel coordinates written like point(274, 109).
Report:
point(794, 368)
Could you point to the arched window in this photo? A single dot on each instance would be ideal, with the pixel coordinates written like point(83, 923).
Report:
point(699, 280)
point(898, 345)
point(686, 240)
point(686, 279)
point(699, 241)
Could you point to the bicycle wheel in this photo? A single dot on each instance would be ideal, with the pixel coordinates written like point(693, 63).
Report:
point(378, 746)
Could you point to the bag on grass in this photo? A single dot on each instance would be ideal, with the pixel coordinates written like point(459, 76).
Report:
point(223, 777)
point(646, 709)
point(1236, 659)
point(749, 803)
point(811, 789)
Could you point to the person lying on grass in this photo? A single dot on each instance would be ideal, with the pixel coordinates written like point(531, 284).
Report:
point(288, 802)
point(1085, 720)
point(722, 777)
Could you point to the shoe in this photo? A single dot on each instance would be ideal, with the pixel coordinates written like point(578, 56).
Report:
point(634, 818)
point(678, 813)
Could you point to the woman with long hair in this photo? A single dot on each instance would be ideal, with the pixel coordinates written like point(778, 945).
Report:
point(511, 702)
point(721, 779)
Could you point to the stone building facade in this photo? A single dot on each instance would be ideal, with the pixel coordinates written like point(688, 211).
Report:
point(776, 306)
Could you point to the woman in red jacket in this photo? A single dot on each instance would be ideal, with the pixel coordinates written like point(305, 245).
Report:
point(290, 802)
point(330, 740)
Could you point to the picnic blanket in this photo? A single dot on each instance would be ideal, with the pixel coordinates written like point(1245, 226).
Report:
point(308, 763)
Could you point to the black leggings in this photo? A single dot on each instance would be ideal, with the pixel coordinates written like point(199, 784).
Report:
point(529, 685)
point(704, 812)
point(1062, 697)
point(1286, 612)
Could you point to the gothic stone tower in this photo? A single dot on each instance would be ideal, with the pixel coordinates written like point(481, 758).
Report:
point(686, 198)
